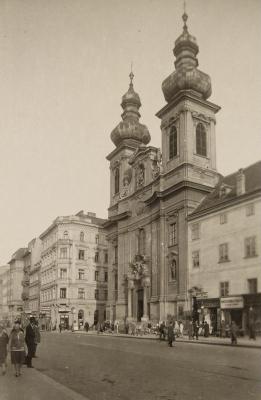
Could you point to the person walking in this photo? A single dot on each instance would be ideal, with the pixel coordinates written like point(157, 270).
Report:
point(195, 329)
point(233, 333)
point(17, 347)
point(30, 341)
point(3, 348)
point(181, 328)
point(37, 337)
point(162, 331)
point(206, 329)
point(171, 334)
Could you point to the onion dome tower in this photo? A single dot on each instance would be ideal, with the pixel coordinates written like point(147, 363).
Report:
point(130, 129)
point(186, 76)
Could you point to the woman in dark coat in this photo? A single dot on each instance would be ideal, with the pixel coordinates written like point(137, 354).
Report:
point(3, 348)
point(171, 335)
point(17, 347)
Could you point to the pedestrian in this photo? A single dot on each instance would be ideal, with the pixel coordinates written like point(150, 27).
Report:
point(171, 334)
point(17, 347)
point(37, 337)
point(233, 333)
point(60, 328)
point(30, 341)
point(162, 331)
point(86, 326)
point(195, 329)
point(3, 348)
point(176, 329)
point(181, 328)
point(252, 331)
point(206, 329)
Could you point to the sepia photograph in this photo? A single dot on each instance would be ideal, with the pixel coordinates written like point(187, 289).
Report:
point(130, 200)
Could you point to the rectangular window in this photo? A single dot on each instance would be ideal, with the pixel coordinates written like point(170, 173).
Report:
point(223, 218)
point(63, 273)
point(96, 276)
point(195, 259)
point(81, 274)
point(106, 257)
point(223, 252)
point(224, 289)
point(105, 276)
point(81, 254)
point(172, 234)
point(96, 257)
point(63, 252)
point(250, 210)
point(195, 231)
point(96, 294)
point(105, 294)
point(250, 247)
point(252, 286)
point(62, 293)
point(81, 293)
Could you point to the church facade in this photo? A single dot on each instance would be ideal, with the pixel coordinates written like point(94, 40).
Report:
point(153, 191)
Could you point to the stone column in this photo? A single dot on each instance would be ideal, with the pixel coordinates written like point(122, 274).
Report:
point(130, 289)
point(146, 284)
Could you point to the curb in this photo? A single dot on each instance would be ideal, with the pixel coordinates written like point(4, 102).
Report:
point(122, 336)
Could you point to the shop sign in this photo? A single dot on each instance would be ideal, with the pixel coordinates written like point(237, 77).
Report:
point(211, 303)
point(231, 302)
point(202, 295)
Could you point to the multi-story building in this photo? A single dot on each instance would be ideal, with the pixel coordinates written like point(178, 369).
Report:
point(14, 299)
point(224, 251)
point(4, 285)
point(25, 282)
point(35, 247)
point(152, 193)
point(74, 271)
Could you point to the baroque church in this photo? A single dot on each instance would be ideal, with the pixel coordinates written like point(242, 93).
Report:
point(153, 191)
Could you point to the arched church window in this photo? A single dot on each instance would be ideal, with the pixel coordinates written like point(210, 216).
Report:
point(117, 180)
point(173, 142)
point(201, 140)
point(141, 242)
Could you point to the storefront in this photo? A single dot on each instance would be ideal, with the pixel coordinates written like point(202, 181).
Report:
point(252, 312)
point(232, 310)
point(209, 311)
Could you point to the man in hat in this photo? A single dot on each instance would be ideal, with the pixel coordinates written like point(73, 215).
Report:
point(30, 341)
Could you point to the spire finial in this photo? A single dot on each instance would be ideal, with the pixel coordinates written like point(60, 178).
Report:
point(185, 17)
point(131, 75)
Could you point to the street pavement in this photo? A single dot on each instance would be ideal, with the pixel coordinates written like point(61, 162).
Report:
point(74, 366)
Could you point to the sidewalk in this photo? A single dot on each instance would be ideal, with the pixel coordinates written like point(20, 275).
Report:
point(242, 342)
point(33, 385)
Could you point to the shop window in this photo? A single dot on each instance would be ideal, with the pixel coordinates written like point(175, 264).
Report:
point(223, 252)
point(81, 274)
point(250, 210)
point(223, 218)
point(252, 286)
point(172, 234)
point(81, 293)
point(173, 143)
point(62, 293)
point(63, 252)
point(201, 140)
point(195, 259)
point(81, 254)
point(250, 247)
point(195, 231)
point(224, 289)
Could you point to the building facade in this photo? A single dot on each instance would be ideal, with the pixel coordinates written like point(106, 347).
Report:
point(35, 247)
point(225, 252)
point(73, 272)
point(152, 192)
point(4, 286)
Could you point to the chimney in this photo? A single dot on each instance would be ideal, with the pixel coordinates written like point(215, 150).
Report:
point(240, 182)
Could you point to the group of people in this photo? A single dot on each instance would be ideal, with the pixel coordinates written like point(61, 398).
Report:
point(18, 342)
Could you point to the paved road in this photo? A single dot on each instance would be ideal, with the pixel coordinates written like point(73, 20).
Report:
point(106, 368)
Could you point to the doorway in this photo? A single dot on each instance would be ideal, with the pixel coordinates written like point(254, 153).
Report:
point(236, 316)
point(140, 307)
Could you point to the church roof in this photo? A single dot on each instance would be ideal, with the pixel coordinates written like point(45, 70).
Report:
point(215, 199)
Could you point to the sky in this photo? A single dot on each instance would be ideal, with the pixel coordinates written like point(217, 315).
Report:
point(64, 66)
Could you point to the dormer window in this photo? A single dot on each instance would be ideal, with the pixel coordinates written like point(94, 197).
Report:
point(224, 190)
point(201, 140)
point(173, 143)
